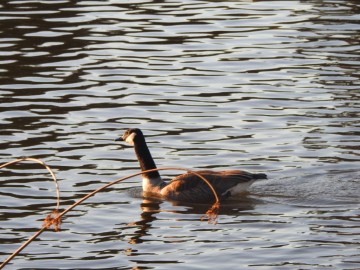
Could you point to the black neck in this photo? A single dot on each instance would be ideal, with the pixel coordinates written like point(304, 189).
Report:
point(145, 159)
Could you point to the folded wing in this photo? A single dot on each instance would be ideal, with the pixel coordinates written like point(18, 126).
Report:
point(190, 188)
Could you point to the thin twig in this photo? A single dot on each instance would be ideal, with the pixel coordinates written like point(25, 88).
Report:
point(16, 252)
point(55, 218)
point(46, 166)
point(133, 175)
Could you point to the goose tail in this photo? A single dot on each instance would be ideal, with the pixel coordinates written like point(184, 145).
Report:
point(259, 176)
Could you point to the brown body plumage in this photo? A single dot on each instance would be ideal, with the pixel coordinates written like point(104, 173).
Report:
point(187, 187)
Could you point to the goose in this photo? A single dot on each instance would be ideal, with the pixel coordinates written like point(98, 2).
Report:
point(186, 187)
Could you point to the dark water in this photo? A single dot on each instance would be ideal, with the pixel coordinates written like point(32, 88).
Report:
point(267, 86)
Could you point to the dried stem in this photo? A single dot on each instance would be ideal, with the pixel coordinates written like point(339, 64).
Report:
point(54, 218)
point(46, 166)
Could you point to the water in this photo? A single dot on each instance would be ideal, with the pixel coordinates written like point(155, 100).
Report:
point(267, 86)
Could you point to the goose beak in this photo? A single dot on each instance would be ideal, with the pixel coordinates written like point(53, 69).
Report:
point(119, 139)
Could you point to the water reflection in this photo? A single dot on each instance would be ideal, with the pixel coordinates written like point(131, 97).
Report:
point(149, 210)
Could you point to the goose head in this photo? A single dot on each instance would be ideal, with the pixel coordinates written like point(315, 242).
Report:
point(130, 135)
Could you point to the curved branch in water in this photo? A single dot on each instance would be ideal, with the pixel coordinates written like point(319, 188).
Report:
point(46, 166)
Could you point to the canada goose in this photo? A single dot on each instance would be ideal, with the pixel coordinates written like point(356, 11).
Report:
point(187, 187)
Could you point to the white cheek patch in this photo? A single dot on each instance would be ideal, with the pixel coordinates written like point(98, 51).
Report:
point(130, 138)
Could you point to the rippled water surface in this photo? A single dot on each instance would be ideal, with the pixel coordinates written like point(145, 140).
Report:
point(267, 86)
